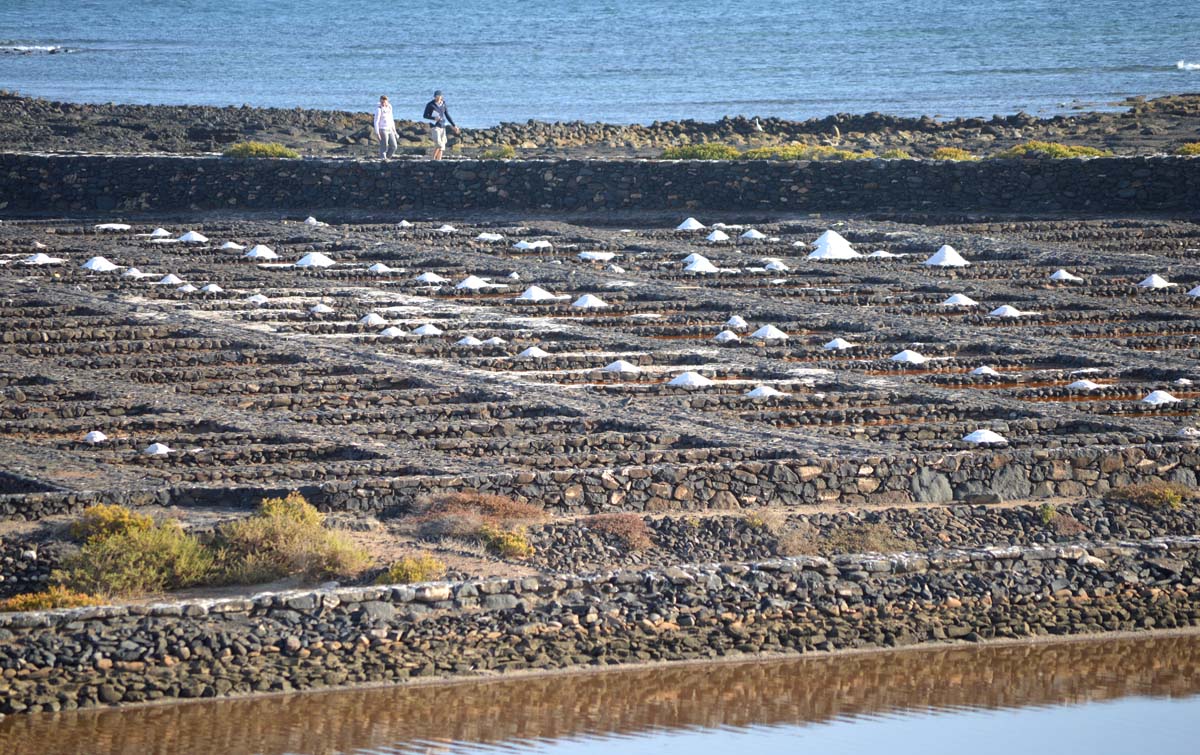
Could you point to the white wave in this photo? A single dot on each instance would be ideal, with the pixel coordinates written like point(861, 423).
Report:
point(29, 49)
point(1184, 65)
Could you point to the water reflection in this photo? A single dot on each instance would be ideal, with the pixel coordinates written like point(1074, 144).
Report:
point(729, 703)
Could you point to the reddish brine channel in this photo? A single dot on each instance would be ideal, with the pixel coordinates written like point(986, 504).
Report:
point(1128, 694)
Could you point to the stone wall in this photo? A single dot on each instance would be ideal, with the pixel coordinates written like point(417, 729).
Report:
point(300, 640)
point(41, 184)
point(954, 476)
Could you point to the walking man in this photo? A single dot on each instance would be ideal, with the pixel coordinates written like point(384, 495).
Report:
point(385, 128)
point(436, 112)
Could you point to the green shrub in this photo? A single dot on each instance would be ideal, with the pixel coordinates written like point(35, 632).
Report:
point(895, 154)
point(501, 152)
point(952, 153)
point(706, 151)
point(52, 597)
point(804, 152)
point(1191, 149)
point(1153, 495)
point(1052, 150)
point(629, 528)
point(510, 544)
point(104, 520)
point(260, 149)
point(422, 568)
point(1046, 513)
point(138, 561)
point(285, 538)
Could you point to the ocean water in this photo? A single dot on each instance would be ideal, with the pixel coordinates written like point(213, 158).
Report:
point(621, 61)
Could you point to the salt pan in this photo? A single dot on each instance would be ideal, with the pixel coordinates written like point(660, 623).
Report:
point(315, 259)
point(984, 436)
point(1156, 398)
point(589, 301)
point(959, 300)
point(99, 265)
point(621, 366)
point(691, 224)
point(908, 356)
point(769, 333)
point(946, 256)
point(690, 380)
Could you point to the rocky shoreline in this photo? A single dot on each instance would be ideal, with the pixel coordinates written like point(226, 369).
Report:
point(30, 124)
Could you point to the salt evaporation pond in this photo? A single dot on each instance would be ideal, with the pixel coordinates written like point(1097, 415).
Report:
point(1101, 697)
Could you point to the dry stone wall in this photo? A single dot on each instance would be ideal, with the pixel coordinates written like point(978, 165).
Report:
point(41, 184)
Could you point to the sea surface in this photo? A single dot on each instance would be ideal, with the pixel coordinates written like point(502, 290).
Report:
point(619, 61)
point(1119, 696)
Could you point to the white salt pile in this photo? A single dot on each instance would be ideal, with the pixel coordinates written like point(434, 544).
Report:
point(95, 436)
point(726, 336)
point(959, 300)
point(691, 224)
point(472, 283)
point(753, 235)
point(446, 228)
point(404, 224)
point(621, 366)
point(1156, 398)
point(764, 391)
point(1083, 385)
point(314, 259)
point(880, 254)
point(165, 241)
point(1182, 381)
point(693, 257)
point(946, 256)
point(985, 436)
point(838, 344)
point(540, 244)
point(157, 449)
point(112, 227)
point(261, 252)
point(157, 233)
point(41, 258)
point(428, 330)
point(514, 276)
point(489, 237)
point(1156, 281)
point(379, 267)
point(690, 380)
point(232, 246)
point(769, 333)
point(136, 274)
point(736, 323)
point(1189, 432)
point(187, 288)
point(716, 236)
point(193, 237)
point(212, 288)
point(310, 220)
point(985, 370)
point(1063, 276)
point(170, 279)
point(701, 266)
point(431, 278)
point(908, 356)
point(536, 293)
point(589, 301)
point(596, 256)
point(468, 341)
point(1007, 310)
point(774, 264)
point(494, 341)
point(1195, 292)
point(371, 320)
point(533, 352)
point(99, 265)
point(320, 309)
point(831, 245)
point(392, 332)
point(258, 300)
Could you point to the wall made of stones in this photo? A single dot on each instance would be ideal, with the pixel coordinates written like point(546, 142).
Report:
point(270, 642)
point(44, 184)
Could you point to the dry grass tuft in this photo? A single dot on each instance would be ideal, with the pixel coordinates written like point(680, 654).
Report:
point(1153, 495)
point(629, 528)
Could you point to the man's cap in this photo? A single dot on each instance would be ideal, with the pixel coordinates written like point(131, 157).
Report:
point(437, 93)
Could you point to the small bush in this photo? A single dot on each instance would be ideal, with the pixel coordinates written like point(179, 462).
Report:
point(1191, 149)
point(952, 153)
point(707, 151)
point(53, 597)
point(1046, 513)
point(292, 507)
point(103, 520)
point(804, 152)
point(629, 528)
point(422, 568)
point(1065, 525)
point(138, 561)
point(1052, 150)
point(260, 149)
point(766, 520)
point(501, 152)
point(895, 154)
point(506, 543)
point(1153, 495)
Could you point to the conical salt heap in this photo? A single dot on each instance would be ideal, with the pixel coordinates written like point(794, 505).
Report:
point(908, 356)
point(1155, 281)
point(985, 436)
point(1156, 398)
point(468, 341)
point(690, 380)
point(985, 370)
point(753, 235)
point(621, 366)
point(536, 293)
point(717, 236)
point(769, 333)
point(1062, 276)
point(831, 245)
point(99, 265)
point(431, 278)
point(691, 224)
point(428, 330)
point(193, 237)
point(472, 283)
point(959, 300)
point(533, 352)
point(315, 259)
point(261, 252)
point(588, 301)
point(838, 344)
point(726, 336)
point(701, 265)
point(371, 320)
point(764, 391)
point(946, 256)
